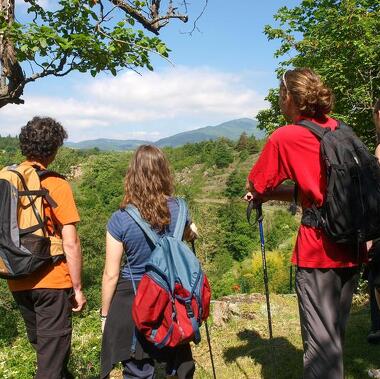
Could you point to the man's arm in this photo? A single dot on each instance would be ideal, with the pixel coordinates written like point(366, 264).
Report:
point(71, 247)
point(282, 193)
point(190, 233)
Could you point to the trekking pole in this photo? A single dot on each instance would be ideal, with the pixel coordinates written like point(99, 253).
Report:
point(207, 331)
point(259, 219)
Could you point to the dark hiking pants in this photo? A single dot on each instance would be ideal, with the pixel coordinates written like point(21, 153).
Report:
point(324, 299)
point(47, 317)
point(375, 312)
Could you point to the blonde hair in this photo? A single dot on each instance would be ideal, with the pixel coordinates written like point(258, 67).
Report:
point(147, 184)
point(310, 95)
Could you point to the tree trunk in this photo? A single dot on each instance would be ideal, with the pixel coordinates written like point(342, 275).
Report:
point(11, 75)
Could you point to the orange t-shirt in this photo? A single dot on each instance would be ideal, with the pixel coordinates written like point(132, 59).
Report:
point(54, 275)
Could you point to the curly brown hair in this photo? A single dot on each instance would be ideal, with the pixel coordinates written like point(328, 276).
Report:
point(310, 95)
point(148, 183)
point(41, 137)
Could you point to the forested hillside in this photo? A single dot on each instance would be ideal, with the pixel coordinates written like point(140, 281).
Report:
point(211, 176)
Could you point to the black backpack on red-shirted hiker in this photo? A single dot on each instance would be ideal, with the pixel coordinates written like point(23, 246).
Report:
point(351, 210)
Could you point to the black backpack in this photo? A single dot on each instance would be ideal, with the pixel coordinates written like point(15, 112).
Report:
point(351, 210)
point(25, 243)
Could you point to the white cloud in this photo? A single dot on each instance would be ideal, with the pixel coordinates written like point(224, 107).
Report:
point(151, 106)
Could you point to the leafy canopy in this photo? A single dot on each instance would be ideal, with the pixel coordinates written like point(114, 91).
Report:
point(340, 40)
point(81, 35)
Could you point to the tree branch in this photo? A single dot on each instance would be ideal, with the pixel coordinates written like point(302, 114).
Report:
point(155, 23)
point(195, 27)
point(101, 31)
point(11, 74)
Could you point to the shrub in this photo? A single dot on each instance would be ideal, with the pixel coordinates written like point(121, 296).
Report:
point(280, 226)
point(235, 184)
point(251, 277)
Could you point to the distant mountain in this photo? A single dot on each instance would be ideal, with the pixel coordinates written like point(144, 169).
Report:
point(107, 144)
point(230, 129)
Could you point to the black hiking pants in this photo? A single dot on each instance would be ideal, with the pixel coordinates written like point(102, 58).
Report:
point(324, 299)
point(47, 317)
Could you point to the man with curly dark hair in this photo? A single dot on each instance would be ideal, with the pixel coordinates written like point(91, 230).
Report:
point(41, 138)
point(47, 297)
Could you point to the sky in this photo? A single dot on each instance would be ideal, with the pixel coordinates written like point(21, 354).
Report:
point(219, 73)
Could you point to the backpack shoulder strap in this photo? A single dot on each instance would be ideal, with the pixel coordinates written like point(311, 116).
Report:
point(314, 128)
point(181, 219)
point(29, 194)
point(342, 125)
point(44, 173)
point(145, 227)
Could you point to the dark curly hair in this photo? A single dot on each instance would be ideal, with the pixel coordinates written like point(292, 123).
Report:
point(41, 137)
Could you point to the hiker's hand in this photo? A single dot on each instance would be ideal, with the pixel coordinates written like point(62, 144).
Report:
point(79, 301)
point(251, 194)
point(248, 196)
point(190, 233)
point(255, 197)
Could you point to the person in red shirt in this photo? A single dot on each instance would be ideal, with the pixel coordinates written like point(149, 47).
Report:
point(327, 272)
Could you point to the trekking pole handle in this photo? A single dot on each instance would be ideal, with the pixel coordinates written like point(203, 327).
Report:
point(254, 204)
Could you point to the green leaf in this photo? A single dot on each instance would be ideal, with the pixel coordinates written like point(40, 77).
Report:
point(43, 43)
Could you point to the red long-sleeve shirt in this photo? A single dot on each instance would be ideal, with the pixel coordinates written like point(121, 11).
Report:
point(293, 152)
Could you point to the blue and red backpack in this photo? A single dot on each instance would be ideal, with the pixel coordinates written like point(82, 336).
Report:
point(173, 297)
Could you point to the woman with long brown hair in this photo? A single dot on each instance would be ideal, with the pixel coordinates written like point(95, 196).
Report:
point(327, 272)
point(148, 186)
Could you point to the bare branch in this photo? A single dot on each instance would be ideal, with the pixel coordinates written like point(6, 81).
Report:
point(155, 23)
point(195, 27)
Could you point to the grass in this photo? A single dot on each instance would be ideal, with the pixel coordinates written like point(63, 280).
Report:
point(241, 348)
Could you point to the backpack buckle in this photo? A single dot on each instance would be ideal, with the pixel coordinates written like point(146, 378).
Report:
point(189, 310)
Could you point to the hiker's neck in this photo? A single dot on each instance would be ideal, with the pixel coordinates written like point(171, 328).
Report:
point(45, 162)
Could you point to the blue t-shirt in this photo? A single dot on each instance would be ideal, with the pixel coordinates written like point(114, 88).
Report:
point(124, 229)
